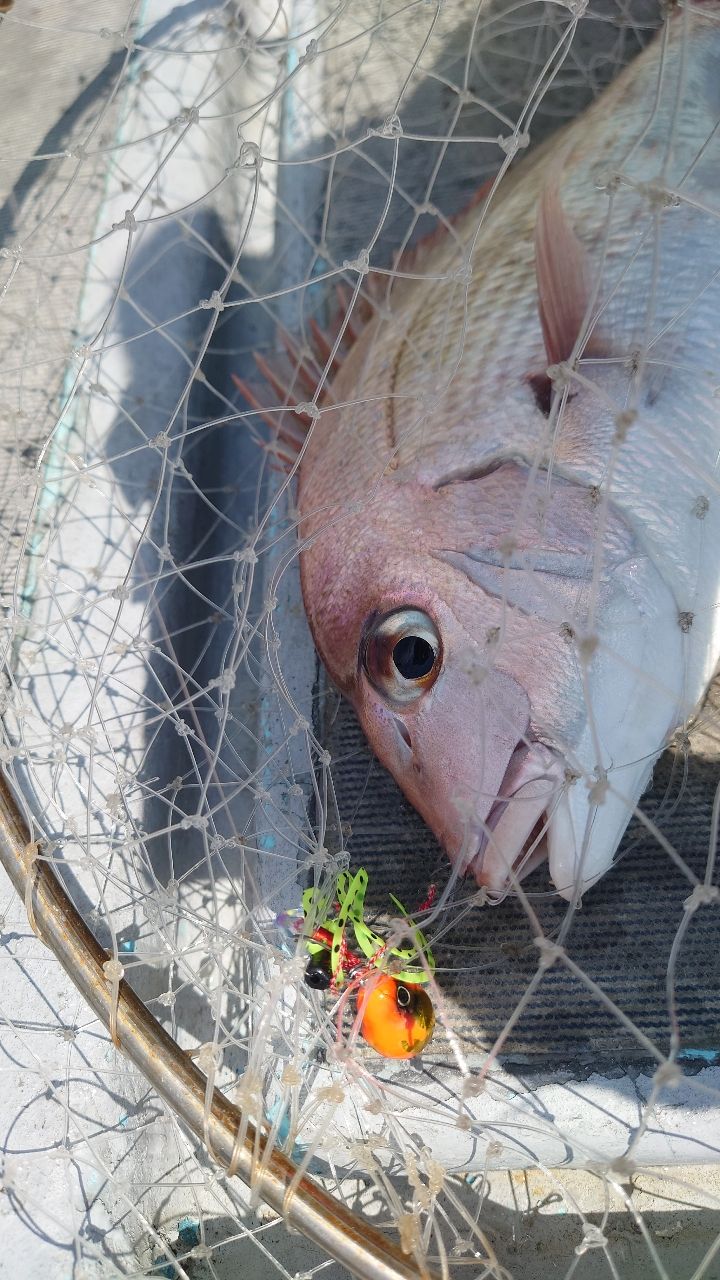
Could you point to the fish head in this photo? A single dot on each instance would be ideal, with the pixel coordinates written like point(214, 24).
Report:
point(510, 646)
point(497, 672)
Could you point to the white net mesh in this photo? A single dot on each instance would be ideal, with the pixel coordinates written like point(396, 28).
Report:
point(183, 185)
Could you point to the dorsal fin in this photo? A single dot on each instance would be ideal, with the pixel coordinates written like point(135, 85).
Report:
point(301, 369)
point(563, 278)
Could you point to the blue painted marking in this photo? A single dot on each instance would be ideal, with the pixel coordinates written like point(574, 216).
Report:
point(701, 1055)
point(188, 1232)
point(267, 842)
point(128, 946)
point(299, 1150)
point(168, 1272)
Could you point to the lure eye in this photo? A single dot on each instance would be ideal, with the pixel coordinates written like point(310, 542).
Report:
point(402, 654)
point(397, 1018)
point(403, 997)
point(318, 975)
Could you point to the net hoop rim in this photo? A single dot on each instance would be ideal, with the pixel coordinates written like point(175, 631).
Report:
point(347, 1237)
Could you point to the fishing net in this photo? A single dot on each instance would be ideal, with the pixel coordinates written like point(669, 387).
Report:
point(184, 186)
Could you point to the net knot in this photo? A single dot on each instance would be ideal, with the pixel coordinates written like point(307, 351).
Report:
point(31, 855)
point(513, 143)
point(550, 952)
point(586, 646)
point(703, 895)
point(208, 1058)
point(597, 791)
point(113, 971)
point(560, 374)
point(332, 1093)
point(658, 196)
point(213, 303)
point(391, 127)
point(225, 682)
point(126, 223)
point(361, 263)
point(472, 1086)
point(623, 422)
point(408, 1225)
point(194, 822)
point(668, 1075)
point(308, 409)
point(593, 1239)
point(608, 180)
point(249, 157)
point(291, 1076)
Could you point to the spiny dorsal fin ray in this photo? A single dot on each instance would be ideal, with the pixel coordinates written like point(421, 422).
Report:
point(288, 430)
point(304, 368)
point(274, 379)
point(287, 373)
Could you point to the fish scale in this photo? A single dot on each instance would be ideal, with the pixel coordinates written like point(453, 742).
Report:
point(557, 564)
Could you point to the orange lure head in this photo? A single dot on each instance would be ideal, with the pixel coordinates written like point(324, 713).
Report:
point(397, 1018)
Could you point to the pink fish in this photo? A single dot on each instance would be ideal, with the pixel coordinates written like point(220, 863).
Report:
point(510, 519)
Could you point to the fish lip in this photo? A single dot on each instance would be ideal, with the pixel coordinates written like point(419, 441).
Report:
point(529, 764)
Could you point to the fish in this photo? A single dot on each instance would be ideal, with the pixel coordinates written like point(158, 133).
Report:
point(506, 454)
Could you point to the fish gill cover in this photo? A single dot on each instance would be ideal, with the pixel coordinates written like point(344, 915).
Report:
point(386, 333)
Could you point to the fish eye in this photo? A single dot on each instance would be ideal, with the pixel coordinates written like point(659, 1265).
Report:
point(403, 654)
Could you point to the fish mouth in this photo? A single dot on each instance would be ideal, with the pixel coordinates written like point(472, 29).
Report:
point(513, 839)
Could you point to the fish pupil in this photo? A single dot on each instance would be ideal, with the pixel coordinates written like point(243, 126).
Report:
point(414, 657)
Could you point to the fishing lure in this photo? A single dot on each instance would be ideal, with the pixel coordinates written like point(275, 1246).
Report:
point(396, 1013)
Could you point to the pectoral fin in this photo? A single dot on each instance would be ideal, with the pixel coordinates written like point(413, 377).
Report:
point(564, 281)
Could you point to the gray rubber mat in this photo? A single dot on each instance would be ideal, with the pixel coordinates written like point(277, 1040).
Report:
point(621, 938)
